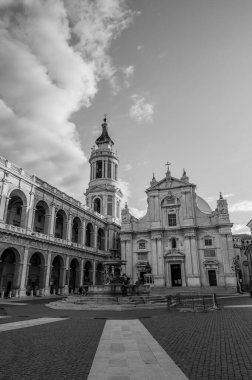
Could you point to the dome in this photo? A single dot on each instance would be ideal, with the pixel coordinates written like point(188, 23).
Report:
point(203, 205)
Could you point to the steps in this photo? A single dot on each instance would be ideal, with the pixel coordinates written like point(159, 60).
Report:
point(192, 290)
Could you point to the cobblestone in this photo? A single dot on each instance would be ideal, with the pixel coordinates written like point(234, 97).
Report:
point(206, 346)
point(212, 346)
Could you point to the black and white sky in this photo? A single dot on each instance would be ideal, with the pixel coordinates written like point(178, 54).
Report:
point(173, 76)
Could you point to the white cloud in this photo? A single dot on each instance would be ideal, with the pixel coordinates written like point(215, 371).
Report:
point(52, 56)
point(125, 188)
point(139, 47)
point(141, 111)
point(136, 212)
point(240, 229)
point(128, 71)
point(243, 206)
point(228, 195)
point(127, 167)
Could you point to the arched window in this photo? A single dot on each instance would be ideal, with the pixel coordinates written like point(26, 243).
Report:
point(41, 219)
point(60, 226)
point(16, 211)
point(101, 239)
point(89, 235)
point(76, 230)
point(97, 205)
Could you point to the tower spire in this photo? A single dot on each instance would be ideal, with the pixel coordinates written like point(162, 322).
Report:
point(104, 137)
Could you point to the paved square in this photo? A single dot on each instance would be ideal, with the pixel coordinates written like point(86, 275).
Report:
point(128, 351)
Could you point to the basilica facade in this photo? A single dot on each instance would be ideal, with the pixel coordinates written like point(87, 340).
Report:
point(180, 242)
point(52, 244)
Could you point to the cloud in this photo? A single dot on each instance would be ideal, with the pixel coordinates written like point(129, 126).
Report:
point(52, 56)
point(139, 47)
point(125, 188)
point(243, 206)
point(240, 229)
point(137, 213)
point(128, 72)
point(141, 111)
point(228, 195)
point(127, 167)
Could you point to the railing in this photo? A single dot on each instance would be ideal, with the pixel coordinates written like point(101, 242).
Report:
point(193, 302)
point(39, 235)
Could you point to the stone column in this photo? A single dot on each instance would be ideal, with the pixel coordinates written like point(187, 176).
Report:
point(188, 257)
point(30, 211)
point(106, 240)
point(17, 279)
point(83, 232)
point(67, 276)
point(95, 236)
point(48, 274)
point(52, 220)
point(81, 271)
point(154, 256)
point(69, 227)
point(3, 198)
point(24, 274)
point(94, 272)
point(24, 217)
point(168, 274)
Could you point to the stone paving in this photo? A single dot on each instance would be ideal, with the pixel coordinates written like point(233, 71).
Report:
point(127, 351)
point(206, 346)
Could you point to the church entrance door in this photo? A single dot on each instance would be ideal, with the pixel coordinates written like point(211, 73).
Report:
point(176, 275)
point(212, 278)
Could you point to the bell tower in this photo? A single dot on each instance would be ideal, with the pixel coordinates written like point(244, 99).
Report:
point(103, 194)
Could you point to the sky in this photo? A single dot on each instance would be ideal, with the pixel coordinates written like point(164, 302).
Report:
point(173, 76)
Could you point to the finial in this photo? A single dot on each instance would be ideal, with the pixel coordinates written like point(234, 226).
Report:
point(105, 118)
point(184, 173)
point(153, 178)
point(168, 166)
point(126, 205)
point(221, 197)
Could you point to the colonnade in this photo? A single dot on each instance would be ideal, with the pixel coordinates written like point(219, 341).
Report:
point(41, 274)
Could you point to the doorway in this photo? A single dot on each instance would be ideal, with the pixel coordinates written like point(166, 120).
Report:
point(212, 278)
point(176, 275)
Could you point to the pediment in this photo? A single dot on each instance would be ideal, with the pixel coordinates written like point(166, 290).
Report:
point(170, 183)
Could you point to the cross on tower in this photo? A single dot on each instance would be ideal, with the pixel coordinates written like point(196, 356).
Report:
point(168, 165)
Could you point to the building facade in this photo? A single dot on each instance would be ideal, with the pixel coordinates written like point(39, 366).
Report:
point(49, 242)
point(180, 241)
point(241, 242)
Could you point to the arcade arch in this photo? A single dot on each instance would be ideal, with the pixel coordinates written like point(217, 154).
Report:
point(74, 277)
point(61, 225)
point(76, 230)
point(41, 218)
point(9, 271)
point(89, 235)
point(88, 272)
point(57, 275)
point(101, 239)
point(36, 274)
point(99, 276)
point(16, 214)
